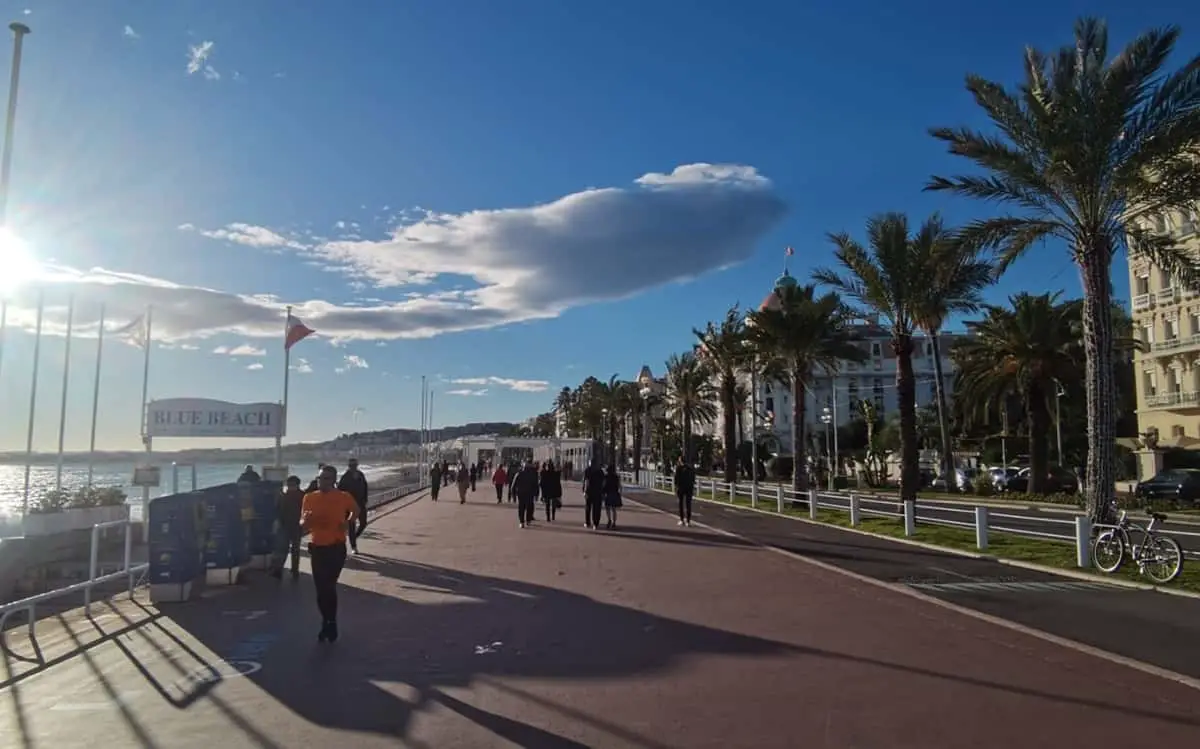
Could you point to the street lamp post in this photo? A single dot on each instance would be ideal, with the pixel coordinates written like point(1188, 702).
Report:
point(604, 430)
point(827, 419)
point(644, 419)
point(1059, 393)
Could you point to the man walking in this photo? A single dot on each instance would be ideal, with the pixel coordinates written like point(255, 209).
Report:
point(287, 528)
point(326, 515)
point(474, 476)
point(593, 494)
point(685, 489)
point(354, 483)
point(525, 487)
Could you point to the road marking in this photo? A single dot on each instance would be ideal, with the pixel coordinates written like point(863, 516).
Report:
point(246, 615)
point(952, 573)
point(1079, 647)
point(78, 707)
point(1029, 586)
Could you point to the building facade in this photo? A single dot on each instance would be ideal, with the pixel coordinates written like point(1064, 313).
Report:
point(1166, 318)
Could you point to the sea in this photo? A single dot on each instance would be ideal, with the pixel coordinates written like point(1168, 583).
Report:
point(74, 476)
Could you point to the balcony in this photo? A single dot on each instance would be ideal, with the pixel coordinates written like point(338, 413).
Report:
point(1169, 295)
point(1142, 302)
point(1173, 344)
point(1184, 398)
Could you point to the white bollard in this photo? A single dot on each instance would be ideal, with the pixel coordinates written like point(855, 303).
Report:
point(732, 493)
point(910, 518)
point(779, 498)
point(981, 528)
point(812, 504)
point(754, 494)
point(853, 509)
point(1083, 541)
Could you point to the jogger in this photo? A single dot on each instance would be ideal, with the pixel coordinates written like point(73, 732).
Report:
point(327, 514)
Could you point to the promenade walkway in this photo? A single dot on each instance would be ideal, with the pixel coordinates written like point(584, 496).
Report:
point(461, 630)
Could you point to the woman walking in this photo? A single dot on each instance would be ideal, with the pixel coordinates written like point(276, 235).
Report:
point(612, 495)
point(551, 483)
point(462, 480)
point(326, 515)
point(500, 480)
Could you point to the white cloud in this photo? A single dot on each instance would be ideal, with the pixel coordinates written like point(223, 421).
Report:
point(198, 55)
point(186, 227)
point(211, 74)
point(256, 365)
point(129, 32)
point(244, 349)
point(189, 347)
point(468, 393)
point(521, 386)
point(351, 361)
point(527, 263)
point(302, 367)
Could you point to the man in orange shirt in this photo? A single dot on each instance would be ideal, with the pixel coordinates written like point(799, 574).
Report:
point(326, 514)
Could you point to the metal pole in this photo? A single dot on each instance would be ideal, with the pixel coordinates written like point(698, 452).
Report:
point(37, 352)
point(837, 463)
point(1058, 394)
point(66, 381)
point(96, 398)
point(19, 31)
point(754, 425)
point(287, 366)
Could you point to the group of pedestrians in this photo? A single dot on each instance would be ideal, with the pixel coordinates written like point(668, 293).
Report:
point(331, 512)
point(526, 485)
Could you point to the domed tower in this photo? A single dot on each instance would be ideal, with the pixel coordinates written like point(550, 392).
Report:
point(785, 281)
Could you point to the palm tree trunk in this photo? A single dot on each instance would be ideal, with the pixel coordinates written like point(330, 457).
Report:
point(1038, 421)
point(1101, 386)
point(799, 474)
point(910, 469)
point(729, 422)
point(948, 467)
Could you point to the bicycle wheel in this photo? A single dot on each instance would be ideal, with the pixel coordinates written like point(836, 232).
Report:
point(1108, 551)
point(1162, 561)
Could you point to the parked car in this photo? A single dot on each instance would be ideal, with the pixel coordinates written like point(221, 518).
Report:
point(1176, 484)
point(1058, 481)
point(1000, 475)
point(964, 478)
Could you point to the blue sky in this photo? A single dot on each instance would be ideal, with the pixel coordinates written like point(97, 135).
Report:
point(470, 190)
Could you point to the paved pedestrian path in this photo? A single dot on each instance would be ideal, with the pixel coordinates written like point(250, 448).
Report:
point(461, 630)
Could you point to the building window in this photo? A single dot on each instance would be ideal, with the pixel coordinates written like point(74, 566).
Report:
point(770, 406)
point(1164, 279)
point(929, 349)
point(1142, 285)
point(876, 349)
point(1188, 221)
point(1171, 328)
point(1177, 430)
point(1174, 381)
point(1147, 334)
point(933, 392)
point(1149, 384)
point(1160, 224)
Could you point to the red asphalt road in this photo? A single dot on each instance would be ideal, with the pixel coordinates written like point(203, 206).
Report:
point(461, 630)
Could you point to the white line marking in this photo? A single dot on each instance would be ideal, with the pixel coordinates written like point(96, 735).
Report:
point(952, 573)
point(1079, 647)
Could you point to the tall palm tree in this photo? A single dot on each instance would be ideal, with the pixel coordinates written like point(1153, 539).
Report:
point(884, 279)
point(1088, 150)
point(723, 349)
point(953, 277)
point(801, 332)
point(690, 397)
point(1022, 353)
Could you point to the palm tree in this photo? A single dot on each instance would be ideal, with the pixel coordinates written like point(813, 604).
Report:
point(1089, 151)
point(1022, 353)
point(723, 349)
point(690, 397)
point(953, 277)
point(885, 281)
point(799, 333)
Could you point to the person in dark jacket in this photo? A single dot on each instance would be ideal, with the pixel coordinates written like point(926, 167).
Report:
point(315, 484)
point(287, 527)
point(474, 476)
point(435, 480)
point(250, 475)
point(354, 483)
point(612, 495)
point(513, 470)
point(500, 480)
point(551, 484)
point(525, 487)
point(593, 495)
point(445, 473)
point(685, 489)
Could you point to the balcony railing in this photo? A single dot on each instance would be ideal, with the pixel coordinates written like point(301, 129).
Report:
point(1142, 301)
point(1167, 400)
point(1167, 295)
point(1182, 342)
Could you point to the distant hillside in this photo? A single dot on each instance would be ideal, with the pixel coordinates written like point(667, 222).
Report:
point(413, 436)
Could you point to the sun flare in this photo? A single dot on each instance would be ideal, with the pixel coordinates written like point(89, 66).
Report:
point(18, 265)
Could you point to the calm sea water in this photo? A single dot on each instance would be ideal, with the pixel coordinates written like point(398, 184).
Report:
point(41, 479)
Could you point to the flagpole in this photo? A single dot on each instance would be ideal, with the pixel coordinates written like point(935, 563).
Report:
point(421, 437)
point(37, 352)
point(66, 381)
point(96, 397)
point(147, 440)
point(431, 430)
point(287, 366)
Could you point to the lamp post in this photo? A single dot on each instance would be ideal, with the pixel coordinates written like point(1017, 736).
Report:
point(1058, 394)
point(827, 419)
point(19, 31)
point(643, 419)
point(604, 429)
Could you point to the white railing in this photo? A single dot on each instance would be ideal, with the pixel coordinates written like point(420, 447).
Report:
point(982, 519)
point(133, 573)
point(1141, 302)
point(390, 495)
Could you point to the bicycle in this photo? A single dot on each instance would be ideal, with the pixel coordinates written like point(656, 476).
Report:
point(1158, 557)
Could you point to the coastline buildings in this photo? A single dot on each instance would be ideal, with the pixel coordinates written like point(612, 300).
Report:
point(1166, 318)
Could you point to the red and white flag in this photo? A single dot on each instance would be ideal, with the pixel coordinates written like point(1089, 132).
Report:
point(296, 331)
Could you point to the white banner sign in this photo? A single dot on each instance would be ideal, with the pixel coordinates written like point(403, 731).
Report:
point(201, 417)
